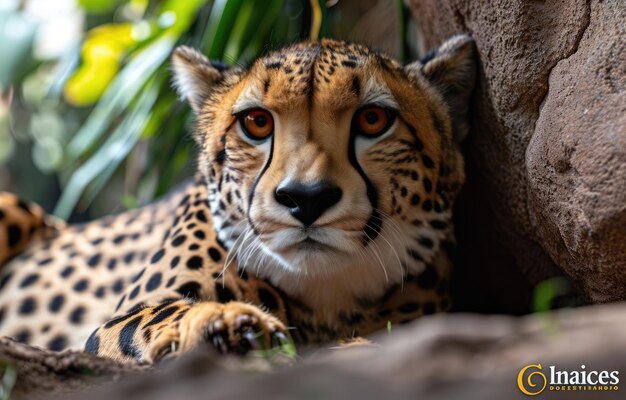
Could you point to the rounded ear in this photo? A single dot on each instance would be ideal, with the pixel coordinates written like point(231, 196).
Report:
point(194, 75)
point(452, 70)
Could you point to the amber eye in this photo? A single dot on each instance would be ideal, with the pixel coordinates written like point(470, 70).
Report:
point(373, 121)
point(257, 124)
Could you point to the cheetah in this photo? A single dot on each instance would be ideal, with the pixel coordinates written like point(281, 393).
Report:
point(321, 210)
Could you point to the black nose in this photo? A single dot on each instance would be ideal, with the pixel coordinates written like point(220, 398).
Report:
point(307, 202)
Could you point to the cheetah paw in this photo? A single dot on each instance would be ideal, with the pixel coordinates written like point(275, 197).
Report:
point(231, 328)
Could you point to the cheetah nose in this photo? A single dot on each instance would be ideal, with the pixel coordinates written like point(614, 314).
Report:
point(306, 202)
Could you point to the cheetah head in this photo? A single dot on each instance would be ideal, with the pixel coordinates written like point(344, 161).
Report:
point(330, 160)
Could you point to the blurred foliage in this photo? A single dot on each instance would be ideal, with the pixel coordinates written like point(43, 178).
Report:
point(101, 116)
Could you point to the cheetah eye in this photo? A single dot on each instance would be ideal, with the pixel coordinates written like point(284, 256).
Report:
point(257, 124)
point(372, 121)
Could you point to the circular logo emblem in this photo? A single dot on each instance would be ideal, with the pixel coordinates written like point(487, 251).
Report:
point(531, 381)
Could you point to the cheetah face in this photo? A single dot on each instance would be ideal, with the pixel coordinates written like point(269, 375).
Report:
point(326, 154)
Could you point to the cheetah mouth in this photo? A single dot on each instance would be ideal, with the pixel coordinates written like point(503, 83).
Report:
point(307, 240)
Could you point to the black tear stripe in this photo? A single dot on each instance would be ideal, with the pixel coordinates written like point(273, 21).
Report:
point(375, 222)
point(256, 182)
point(126, 337)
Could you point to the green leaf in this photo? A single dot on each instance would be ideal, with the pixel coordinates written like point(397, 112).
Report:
point(99, 6)
point(99, 168)
point(119, 95)
point(221, 21)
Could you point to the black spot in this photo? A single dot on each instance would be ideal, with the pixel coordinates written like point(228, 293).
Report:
point(154, 282)
point(190, 290)
point(125, 339)
point(274, 65)
point(170, 282)
point(119, 304)
point(119, 239)
point(174, 262)
point(427, 205)
point(415, 255)
point(134, 293)
point(178, 240)
point(428, 186)
point(93, 343)
point(81, 285)
point(23, 336)
point(29, 280)
point(268, 299)
point(428, 279)
point(199, 234)
point(100, 292)
point(5, 279)
point(57, 343)
point(157, 256)
point(194, 246)
point(67, 271)
point(97, 241)
point(429, 308)
point(348, 63)
point(15, 235)
point(215, 254)
point(426, 242)
point(128, 258)
point(438, 224)
point(415, 200)
point(201, 216)
point(162, 315)
point(28, 306)
point(138, 276)
point(94, 260)
point(45, 261)
point(118, 286)
point(224, 294)
point(428, 162)
point(56, 303)
point(194, 262)
point(112, 264)
point(77, 314)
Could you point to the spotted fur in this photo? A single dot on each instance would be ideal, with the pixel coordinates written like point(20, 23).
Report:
point(223, 258)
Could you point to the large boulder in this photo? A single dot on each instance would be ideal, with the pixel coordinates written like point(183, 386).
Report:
point(546, 156)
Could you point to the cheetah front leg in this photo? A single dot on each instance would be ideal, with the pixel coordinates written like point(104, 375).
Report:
point(186, 297)
point(175, 327)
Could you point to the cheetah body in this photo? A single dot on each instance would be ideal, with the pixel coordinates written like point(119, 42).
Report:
point(225, 255)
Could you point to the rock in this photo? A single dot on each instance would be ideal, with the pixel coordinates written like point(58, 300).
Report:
point(41, 374)
point(440, 357)
point(546, 156)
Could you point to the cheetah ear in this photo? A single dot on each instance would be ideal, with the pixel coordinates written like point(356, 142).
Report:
point(194, 75)
point(452, 70)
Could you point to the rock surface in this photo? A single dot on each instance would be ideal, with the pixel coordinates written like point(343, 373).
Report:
point(546, 190)
point(438, 357)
